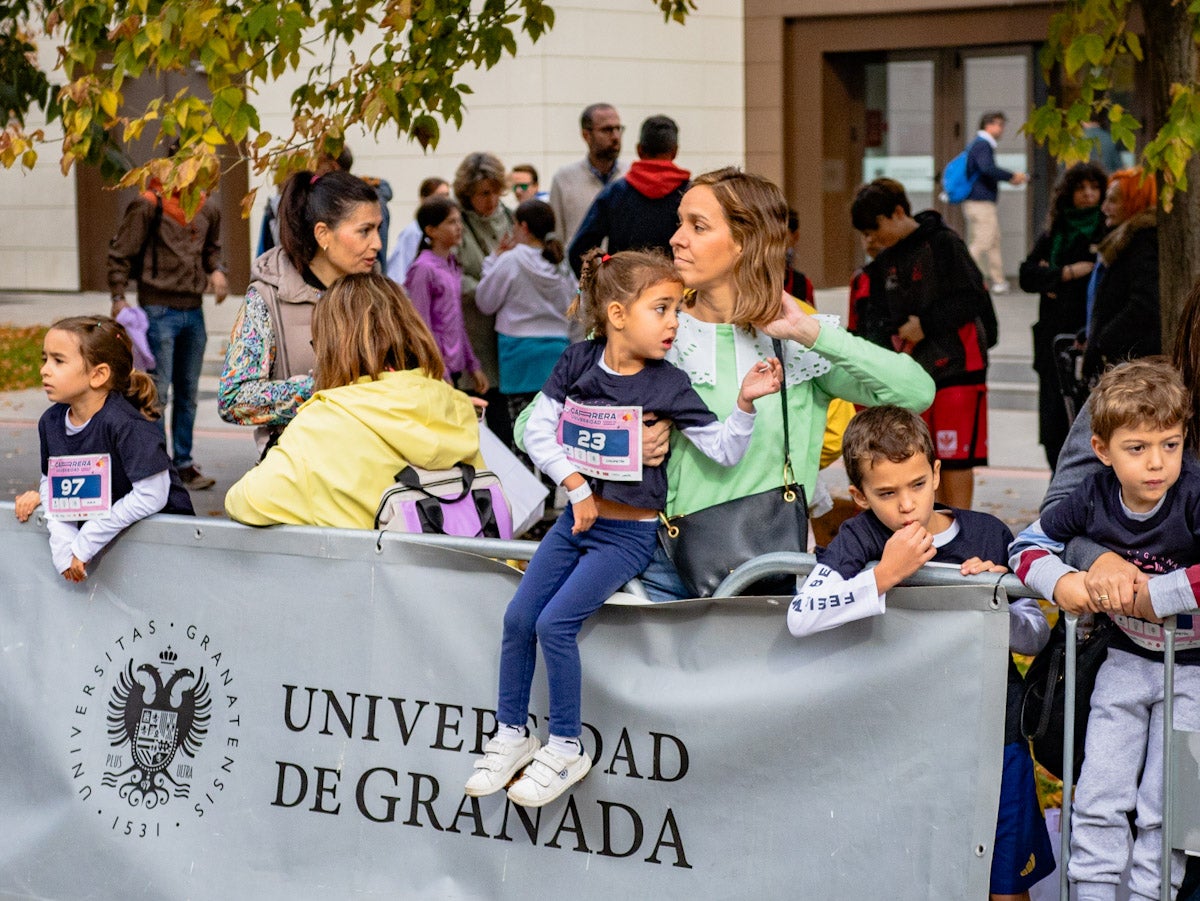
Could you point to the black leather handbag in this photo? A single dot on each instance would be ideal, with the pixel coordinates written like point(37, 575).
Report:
point(707, 545)
point(1042, 713)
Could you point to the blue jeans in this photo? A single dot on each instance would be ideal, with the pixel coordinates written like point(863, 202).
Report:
point(661, 579)
point(568, 579)
point(177, 339)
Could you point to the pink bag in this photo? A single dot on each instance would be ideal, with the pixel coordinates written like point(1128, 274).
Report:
point(455, 501)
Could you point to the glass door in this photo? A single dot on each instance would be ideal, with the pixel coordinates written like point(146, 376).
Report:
point(999, 80)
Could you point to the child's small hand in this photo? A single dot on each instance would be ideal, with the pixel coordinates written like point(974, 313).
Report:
point(1071, 594)
point(975, 566)
point(480, 380)
point(77, 571)
point(764, 377)
point(585, 512)
point(25, 504)
point(909, 548)
point(1141, 607)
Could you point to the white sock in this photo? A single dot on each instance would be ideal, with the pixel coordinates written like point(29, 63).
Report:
point(565, 747)
point(510, 734)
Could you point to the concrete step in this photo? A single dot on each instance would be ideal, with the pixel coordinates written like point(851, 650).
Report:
point(1009, 368)
point(1012, 395)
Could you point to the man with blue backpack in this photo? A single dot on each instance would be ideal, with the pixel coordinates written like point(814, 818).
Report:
point(973, 179)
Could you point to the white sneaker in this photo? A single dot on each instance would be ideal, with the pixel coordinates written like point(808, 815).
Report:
point(1001, 288)
point(501, 761)
point(548, 776)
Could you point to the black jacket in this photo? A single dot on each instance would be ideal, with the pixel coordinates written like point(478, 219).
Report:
point(1125, 316)
point(930, 275)
point(1062, 307)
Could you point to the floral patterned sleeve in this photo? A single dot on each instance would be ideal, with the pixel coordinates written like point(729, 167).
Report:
point(246, 394)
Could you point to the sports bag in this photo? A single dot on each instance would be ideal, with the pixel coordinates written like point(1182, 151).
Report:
point(956, 181)
point(455, 501)
point(1044, 707)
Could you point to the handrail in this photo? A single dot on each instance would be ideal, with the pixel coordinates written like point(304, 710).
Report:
point(791, 563)
point(765, 565)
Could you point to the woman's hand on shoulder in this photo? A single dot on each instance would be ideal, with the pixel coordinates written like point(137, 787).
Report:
point(792, 323)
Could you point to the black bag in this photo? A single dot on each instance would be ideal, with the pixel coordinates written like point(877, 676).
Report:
point(709, 544)
point(1043, 709)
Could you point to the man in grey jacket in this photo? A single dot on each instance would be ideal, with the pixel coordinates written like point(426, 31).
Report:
point(576, 185)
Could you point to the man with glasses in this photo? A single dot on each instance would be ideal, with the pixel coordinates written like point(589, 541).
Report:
point(576, 185)
point(640, 210)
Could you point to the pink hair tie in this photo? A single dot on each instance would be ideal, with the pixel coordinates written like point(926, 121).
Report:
point(312, 181)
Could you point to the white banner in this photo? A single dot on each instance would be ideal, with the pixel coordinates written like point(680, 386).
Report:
point(221, 712)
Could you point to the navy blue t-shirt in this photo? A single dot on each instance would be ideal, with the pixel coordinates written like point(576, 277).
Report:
point(661, 390)
point(1167, 541)
point(861, 539)
point(137, 447)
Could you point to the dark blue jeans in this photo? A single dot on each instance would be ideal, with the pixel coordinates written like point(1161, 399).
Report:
point(177, 339)
point(569, 578)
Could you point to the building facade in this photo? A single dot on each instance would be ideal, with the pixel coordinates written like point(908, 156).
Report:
point(819, 95)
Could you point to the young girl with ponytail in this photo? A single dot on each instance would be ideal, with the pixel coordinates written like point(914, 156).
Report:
point(104, 463)
point(528, 289)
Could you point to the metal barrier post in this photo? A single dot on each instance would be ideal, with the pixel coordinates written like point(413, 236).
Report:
point(1068, 776)
point(1168, 802)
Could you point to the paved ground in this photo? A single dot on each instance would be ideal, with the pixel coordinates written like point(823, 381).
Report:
point(1011, 487)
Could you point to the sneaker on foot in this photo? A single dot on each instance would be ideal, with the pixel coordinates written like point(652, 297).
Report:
point(548, 776)
point(194, 480)
point(1001, 288)
point(501, 761)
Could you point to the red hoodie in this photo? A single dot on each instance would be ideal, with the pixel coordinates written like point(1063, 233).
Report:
point(656, 178)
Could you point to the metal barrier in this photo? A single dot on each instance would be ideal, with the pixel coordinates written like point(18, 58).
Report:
point(224, 712)
point(1181, 766)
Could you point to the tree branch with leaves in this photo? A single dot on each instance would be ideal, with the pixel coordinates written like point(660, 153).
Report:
point(378, 64)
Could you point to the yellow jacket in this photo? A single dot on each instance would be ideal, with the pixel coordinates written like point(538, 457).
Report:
point(346, 444)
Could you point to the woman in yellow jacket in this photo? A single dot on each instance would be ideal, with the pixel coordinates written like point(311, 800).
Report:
point(380, 403)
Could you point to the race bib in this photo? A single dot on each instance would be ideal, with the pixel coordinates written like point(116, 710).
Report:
point(80, 487)
point(603, 442)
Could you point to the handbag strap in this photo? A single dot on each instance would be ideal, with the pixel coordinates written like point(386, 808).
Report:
point(788, 474)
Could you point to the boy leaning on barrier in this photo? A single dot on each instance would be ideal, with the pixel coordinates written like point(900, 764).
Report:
point(893, 476)
point(1145, 506)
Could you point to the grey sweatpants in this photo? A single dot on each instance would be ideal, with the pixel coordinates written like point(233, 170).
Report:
point(1125, 731)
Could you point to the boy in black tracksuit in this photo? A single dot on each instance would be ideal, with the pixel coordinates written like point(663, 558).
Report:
point(923, 294)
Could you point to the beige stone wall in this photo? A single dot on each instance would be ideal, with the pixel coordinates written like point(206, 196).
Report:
point(38, 244)
point(525, 110)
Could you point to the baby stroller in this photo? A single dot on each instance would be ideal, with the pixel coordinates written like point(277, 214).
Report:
point(1068, 361)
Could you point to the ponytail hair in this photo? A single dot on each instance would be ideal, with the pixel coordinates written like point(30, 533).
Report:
point(538, 217)
point(621, 277)
point(103, 340)
point(309, 198)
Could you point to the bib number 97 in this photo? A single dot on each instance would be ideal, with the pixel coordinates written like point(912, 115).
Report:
point(70, 487)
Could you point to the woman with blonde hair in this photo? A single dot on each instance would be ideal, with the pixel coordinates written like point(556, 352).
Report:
point(379, 404)
point(730, 251)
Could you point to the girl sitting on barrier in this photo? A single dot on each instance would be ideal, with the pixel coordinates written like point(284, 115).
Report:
point(380, 404)
point(104, 465)
point(583, 434)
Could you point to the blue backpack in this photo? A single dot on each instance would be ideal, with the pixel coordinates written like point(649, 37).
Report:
point(956, 182)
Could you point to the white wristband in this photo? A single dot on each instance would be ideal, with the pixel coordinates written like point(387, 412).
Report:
point(582, 493)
